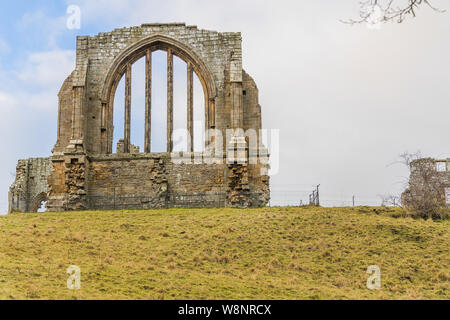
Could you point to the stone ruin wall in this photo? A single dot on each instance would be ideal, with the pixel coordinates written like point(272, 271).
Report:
point(31, 186)
point(154, 181)
point(84, 174)
point(441, 179)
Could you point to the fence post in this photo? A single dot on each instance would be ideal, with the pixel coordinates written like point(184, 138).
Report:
point(318, 198)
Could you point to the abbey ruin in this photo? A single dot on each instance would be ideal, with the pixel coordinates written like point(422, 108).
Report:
point(84, 173)
point(430, 178)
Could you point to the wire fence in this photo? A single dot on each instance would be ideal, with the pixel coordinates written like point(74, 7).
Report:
point(218, 200)
point(286, 197)
point(279, 197)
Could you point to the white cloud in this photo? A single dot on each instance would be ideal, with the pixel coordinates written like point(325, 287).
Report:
point(28, 94)
point(29, 108)
point(50, 28)
point(36, 83)
point(7, 103)
point(47, 69)
point(90, 9)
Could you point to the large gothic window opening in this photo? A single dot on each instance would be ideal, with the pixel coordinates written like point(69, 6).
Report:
point(158, 94)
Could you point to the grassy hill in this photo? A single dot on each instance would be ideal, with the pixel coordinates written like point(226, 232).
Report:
point(269, 253)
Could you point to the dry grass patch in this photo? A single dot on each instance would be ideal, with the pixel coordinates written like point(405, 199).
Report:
point(269, 253)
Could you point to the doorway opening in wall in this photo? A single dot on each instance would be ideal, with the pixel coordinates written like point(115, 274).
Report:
point(43, 207)
point(159, 102)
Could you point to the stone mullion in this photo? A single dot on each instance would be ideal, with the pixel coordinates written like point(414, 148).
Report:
point(74, 114)
point(148, 102)
point(127, 135)
point(169, 100)
point(190, 111)
point(237, 105)
point(110, 126)
point(207, 121)
point(78, 126)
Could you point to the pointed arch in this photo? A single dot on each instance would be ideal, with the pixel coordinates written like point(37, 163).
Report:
point(141, 49)
point(37, 201)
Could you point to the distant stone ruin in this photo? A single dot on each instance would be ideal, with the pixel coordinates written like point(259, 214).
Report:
point(84, 173)
point(429, 177)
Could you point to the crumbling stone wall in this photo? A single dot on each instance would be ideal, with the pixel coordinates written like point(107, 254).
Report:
point(437, 179)
point(121, 147)
point(239, 188)
point(86, 174)
point(143, 181)
point(30, 186)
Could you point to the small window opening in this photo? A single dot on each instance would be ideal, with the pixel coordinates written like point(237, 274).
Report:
point(441, 166)
point(43, 207)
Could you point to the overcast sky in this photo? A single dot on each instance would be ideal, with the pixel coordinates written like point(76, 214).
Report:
point(347, 99)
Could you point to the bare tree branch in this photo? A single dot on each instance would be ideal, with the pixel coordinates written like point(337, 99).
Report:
point(381, 11)
point(390, 200)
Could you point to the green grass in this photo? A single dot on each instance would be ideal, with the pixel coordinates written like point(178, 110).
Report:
point(269, 253)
